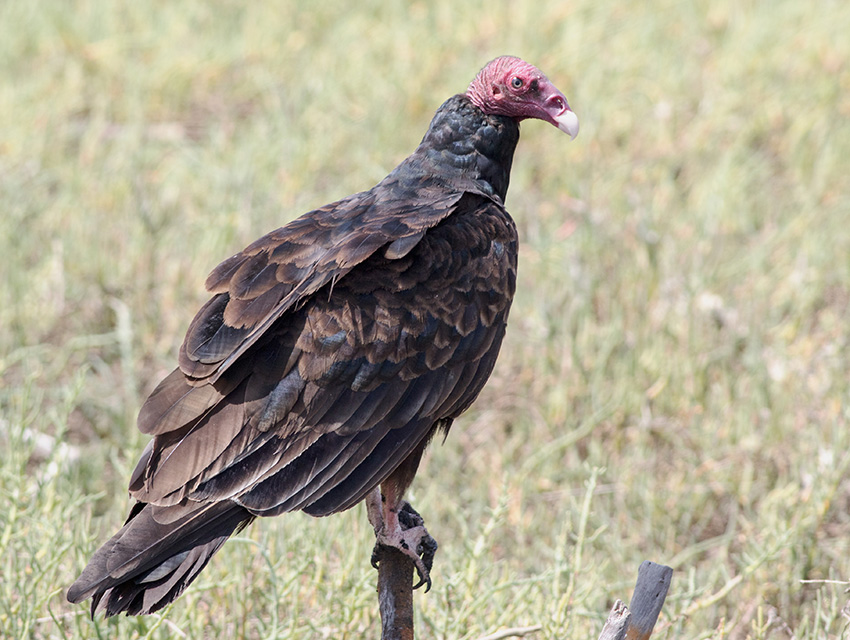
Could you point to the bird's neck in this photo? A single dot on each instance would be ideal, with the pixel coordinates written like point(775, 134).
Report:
point(473, 151)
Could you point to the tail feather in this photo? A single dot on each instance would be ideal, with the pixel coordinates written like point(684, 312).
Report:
point(156, 555)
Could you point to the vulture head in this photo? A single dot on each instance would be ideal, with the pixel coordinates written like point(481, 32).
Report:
point(509, 86)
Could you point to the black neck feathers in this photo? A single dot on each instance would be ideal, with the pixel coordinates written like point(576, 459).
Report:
point(467, 148)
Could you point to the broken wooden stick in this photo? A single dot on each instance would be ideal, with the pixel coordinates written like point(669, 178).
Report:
point(651, 588)
point(395, 594)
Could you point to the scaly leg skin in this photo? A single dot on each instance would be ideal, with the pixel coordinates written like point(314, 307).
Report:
point(399, 526)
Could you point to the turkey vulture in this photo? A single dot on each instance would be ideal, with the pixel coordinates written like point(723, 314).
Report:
point(331, 352)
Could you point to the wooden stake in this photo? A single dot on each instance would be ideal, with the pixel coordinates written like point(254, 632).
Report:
point(651, 588)
point(395, 594)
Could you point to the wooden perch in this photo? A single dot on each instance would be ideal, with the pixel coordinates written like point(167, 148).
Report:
point(395, 594)
point(651, 589)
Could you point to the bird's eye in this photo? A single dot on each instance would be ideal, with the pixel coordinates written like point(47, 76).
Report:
point(516, 82)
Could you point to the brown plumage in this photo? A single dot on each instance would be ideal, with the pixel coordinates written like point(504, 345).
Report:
point(332, 350)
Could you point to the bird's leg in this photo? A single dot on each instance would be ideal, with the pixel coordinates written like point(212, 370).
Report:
point(399, 526)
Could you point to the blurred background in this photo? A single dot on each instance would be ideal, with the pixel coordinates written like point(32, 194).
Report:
point(674, 384)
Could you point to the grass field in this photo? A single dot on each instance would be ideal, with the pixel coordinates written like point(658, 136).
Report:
point(675, 384)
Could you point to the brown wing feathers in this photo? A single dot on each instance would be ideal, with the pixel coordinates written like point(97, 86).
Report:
point(280, 270)
point(330, 352)
point(348, 375)
point(317, 410)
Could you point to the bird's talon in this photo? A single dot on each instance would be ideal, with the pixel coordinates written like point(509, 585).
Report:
point(412, 539)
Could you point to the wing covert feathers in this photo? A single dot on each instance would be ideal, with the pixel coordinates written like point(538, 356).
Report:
point(396, 346)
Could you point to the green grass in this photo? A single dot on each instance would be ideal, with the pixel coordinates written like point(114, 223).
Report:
point(674, 385)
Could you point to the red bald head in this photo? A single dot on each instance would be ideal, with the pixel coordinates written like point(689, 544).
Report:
point(509, 86)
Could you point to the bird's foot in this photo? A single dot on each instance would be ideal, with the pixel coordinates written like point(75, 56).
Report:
point(410, 537)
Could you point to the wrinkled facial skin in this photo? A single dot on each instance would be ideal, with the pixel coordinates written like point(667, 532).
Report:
point(512, 87)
